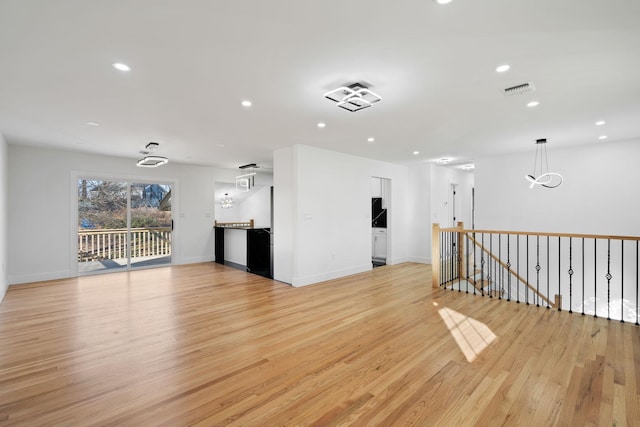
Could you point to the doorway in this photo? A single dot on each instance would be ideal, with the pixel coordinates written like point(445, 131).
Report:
point(123, 225)
point(380, 215)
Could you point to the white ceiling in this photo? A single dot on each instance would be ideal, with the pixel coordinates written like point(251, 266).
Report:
point(194, 61)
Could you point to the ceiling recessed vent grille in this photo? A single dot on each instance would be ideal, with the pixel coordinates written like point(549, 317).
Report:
point(520, 89)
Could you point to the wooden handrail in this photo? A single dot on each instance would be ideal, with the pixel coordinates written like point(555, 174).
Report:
point(235, 224)
point(533, 289)
point(535, 233)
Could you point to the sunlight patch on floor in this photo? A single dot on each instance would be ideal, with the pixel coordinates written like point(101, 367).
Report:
point(471, 335)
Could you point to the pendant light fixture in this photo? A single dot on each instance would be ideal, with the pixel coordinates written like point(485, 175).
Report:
point(150, 160)
point(226, 202)
point(541, 175)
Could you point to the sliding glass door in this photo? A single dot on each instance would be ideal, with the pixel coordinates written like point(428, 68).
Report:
point(123, 225)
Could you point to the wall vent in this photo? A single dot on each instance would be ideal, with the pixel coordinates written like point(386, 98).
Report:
point(520, 89)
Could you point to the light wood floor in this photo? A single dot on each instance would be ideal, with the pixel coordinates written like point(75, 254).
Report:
point(208, 345)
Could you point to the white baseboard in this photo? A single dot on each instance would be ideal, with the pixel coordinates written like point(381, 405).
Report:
point(310, 280)
point(194, 260)
point(39, 277)
point(419, 260)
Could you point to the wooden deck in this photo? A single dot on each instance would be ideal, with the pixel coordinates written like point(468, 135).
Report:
point(209, 345)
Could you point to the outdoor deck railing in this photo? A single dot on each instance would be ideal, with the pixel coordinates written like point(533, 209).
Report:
point(95, 244)
point(590, 274)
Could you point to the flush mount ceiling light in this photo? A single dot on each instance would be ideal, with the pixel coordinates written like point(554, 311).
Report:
point(353, 97)
point(151, 160)
point(541, 176)
point(226, 201)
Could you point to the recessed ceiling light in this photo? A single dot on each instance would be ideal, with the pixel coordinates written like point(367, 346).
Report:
point(600, 122)
point(246, 103)
point(120, 66)
point(443, 161)
point(603, 137)
point(533, 104)
point(503, 68)
point(468, 167)
point(415, 153)
point(371, 139)
point(321, 125)
point(93, 124)
point(443, 1)
point(220, 145)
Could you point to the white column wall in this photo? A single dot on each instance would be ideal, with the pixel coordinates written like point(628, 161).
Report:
point(42, 208)
point(419, 211)
point(4, 216)
point(327, 198)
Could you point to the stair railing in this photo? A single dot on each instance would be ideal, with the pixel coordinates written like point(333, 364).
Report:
point(593, 274)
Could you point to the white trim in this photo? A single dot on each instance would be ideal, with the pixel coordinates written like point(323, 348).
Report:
point(39, 277)
point(309, 280)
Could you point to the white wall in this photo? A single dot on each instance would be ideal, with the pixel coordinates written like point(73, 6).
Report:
point(256, 206)
point(441, 179)
point(325, 198)
point(419, 212)
point(42, 208)
point(599, 194)
point(284, 212)
point(4, 216)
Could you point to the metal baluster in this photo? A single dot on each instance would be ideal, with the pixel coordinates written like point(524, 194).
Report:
point(501, 268)
point(518, 268)
point(595, 278)
point(622, 282)
point(475, 265)
point(482, 265)
point(637, 283)
point(608, 276)
point(583, 278)
point(548, 276)
point(526, 290)
point(559, 262)
point(467, 260)
point(441, 256)
point(490, 276)
point(570, 275)
point(508, 267)
point(537, 270)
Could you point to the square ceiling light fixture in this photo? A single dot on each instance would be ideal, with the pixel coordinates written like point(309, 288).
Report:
point(245, 181)
point(150, 160)
point(354, 97)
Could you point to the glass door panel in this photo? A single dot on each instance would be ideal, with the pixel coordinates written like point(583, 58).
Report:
point(151, 225)
point(102, 225)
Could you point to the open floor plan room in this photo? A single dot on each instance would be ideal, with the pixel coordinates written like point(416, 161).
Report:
point(205, 344)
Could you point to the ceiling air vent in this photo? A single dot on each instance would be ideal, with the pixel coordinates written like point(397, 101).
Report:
point(520, 89)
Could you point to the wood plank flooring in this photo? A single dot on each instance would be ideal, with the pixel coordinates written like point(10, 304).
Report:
point(208, 345)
